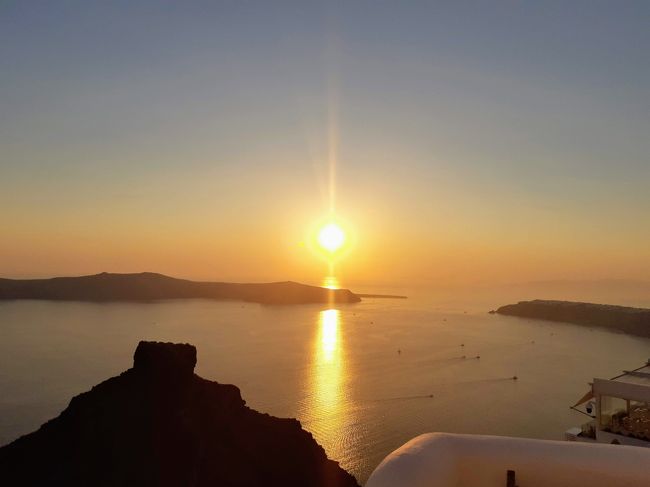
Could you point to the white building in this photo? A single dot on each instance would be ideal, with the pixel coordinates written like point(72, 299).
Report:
point(622, 410)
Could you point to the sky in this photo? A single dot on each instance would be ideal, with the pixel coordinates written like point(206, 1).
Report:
point(464, 142)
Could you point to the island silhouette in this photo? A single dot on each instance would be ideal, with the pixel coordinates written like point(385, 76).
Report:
point(634, 321)
point(150, 286)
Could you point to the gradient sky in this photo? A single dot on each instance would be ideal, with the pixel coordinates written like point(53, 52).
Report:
point(474, 141)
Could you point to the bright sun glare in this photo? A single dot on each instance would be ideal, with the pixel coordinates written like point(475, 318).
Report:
point(331, 237)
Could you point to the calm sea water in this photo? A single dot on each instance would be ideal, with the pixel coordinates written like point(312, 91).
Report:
point(337, 370)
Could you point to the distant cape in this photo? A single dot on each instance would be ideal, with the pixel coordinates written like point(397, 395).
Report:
point(149, 286)
point(635, 321)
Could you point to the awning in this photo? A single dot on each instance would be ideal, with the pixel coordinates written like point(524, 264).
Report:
point(585, 398)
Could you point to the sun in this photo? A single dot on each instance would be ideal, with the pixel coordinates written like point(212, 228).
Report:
point(331, 237)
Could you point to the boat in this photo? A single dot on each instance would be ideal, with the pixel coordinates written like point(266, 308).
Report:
point(619, 408)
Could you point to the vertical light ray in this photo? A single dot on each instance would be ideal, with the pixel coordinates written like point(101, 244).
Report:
point(332, 122)
point(333, 146)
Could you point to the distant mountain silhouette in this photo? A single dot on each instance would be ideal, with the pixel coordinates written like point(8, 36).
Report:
point(147, 286)
point(635, 321)
point(160, 425)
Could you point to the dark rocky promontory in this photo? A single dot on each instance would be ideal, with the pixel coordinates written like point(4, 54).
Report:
point(148, 286)
point(159, 424)
point(635, 321)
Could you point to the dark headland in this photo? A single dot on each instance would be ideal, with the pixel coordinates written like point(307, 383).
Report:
point(635, 321)
point(149, 286)
point(160, 425)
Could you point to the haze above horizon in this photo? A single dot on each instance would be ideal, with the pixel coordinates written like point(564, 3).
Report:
point(460, 144)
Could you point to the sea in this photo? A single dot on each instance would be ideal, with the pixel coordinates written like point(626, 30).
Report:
point(363, 378)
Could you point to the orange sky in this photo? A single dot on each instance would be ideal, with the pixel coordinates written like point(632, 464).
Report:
point(199, 232)
point(470, 146)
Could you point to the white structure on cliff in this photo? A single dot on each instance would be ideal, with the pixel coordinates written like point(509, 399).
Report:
point(602, 453)
point(622, 407)
point(449, 460)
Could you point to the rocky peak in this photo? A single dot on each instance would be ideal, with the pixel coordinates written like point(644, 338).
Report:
point(166, 360)
point(160, 425)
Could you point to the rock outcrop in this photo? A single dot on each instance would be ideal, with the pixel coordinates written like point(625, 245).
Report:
point(635, 321)
point(148, 286)
point(159, 424)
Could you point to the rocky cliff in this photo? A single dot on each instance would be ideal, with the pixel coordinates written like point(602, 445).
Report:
point(635, 321)
point(159, 424)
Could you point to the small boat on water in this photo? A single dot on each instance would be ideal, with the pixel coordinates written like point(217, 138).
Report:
point(620, 410)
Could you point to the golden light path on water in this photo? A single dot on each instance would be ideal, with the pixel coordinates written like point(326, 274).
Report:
point(329, 338)
point(325, 412)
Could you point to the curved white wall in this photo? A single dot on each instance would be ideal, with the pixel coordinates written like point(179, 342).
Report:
point(448, 460)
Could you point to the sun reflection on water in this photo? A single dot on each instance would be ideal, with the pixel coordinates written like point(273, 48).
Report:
point(325, 414)
point(329, 333)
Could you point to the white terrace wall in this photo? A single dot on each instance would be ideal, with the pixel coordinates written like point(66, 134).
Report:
point(447, 460)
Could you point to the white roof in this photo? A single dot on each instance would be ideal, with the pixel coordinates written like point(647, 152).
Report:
point(631, 384)
point(640, 376)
